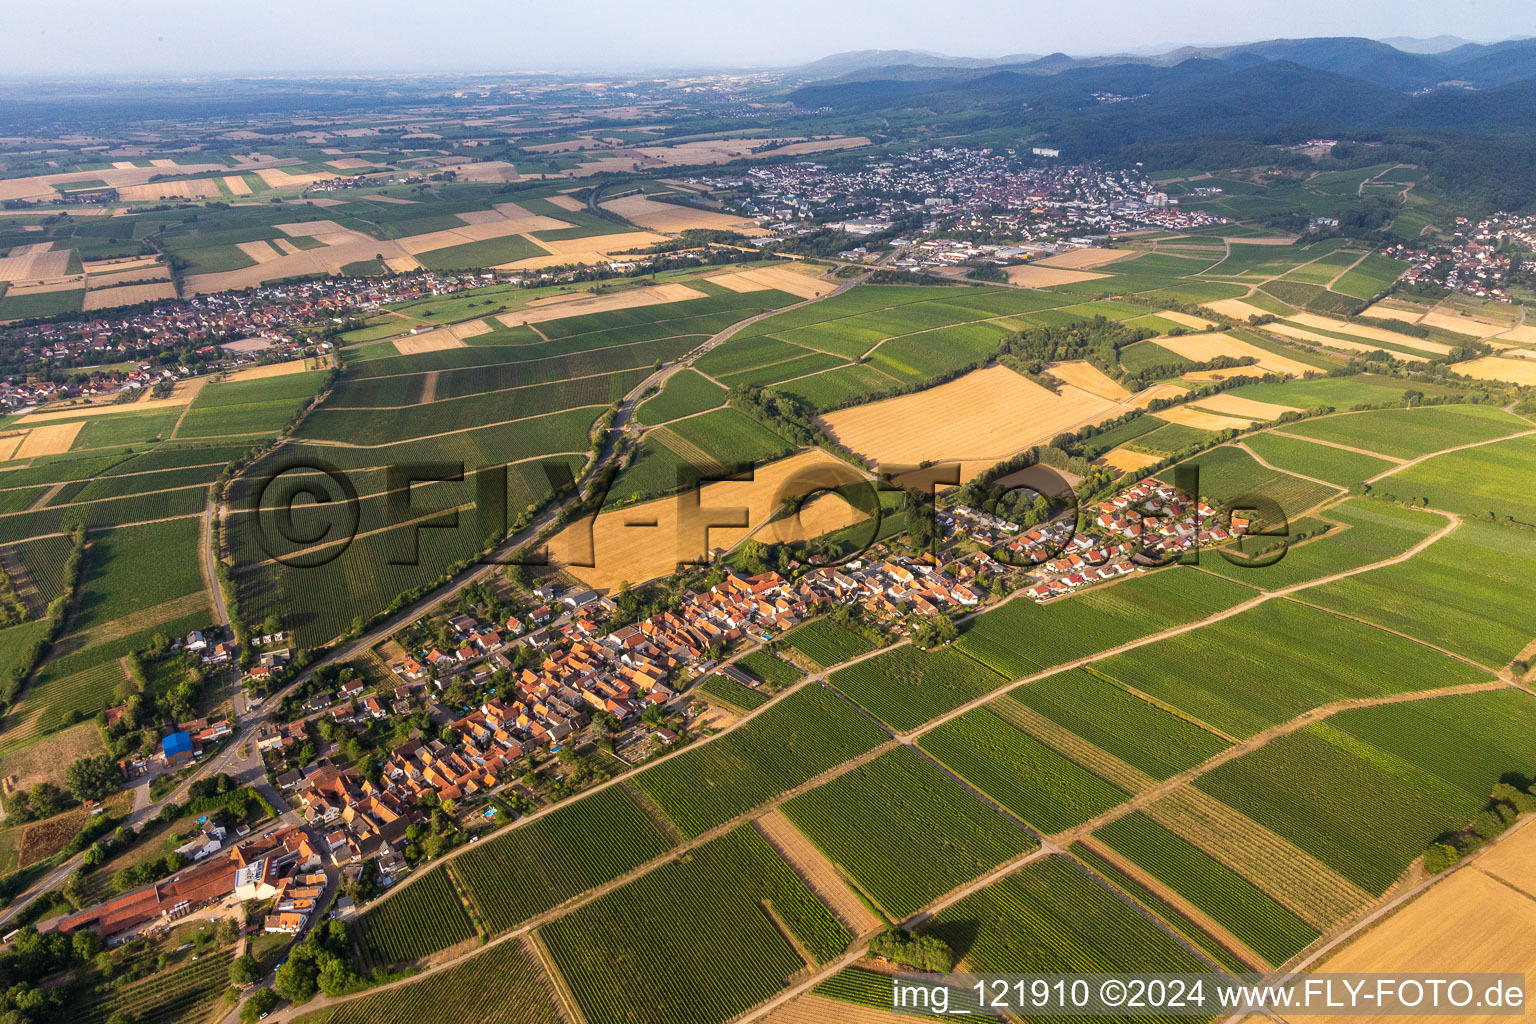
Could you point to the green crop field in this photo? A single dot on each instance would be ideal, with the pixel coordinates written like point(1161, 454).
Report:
point(1354, 791)
point(1365, 532)
point(1409, 433)
point(1022, 638)
point(1276, 661)
point(1333, 392)
point(1490, 481)
point(1371, 277)
point(21, 307)
point(1337, 466)
point(1022, 774)
point(249, 407)
point(423, 918)
point(499, 986)
point(904, 831)
point(1229, 474)
point(540, 864)
point(824, 642)
point(134, 568)
point(718, 913)
point(1053, 917)
point(1468, 592)
point(1172, 437)
point(906, 686)
point(685, 393)
point(1231, 900)
point(796, 739)
point(1138, 732)
point(731, 692)
point(489, 253)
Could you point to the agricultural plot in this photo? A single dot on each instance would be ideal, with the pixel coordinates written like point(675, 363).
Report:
point(1340, 393)
point(1370, 277)
point(1022, 774)
point(739, 922)
point(1054, 917)
point(1360, 533)
point(904, 831)
point(824, 642)
point(540, 864)
point(1232, 477)
point(906, 686)
point(1467, 593)
point(423, 918)
point(262, 406)
point(1368, 807)
point(499, 986)
point(1490, 481)
point(1231, 900)
point(1335, 465)
point(732, 693)
point(1172, 437)
point(1094, 709)
point(1409, 433)
point(715, 443)
point(685, 393)
point(181, 992)
point(134, 569)
point(1022, 638)
point(798, 738)
point(1253, 671)
point(766, 667)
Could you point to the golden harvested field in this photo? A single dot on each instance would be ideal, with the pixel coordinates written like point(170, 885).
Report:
point(57, 284)
point(819, 516)
point(427, 341)
point(50, 440)
point(1156, 391)
point(285, 246)
point(1511, 371)
point(116, 266)
point(350, 163)
point(40, 186)
point(1194, 323)
point(392, 199)
point(813, 1009)
point(261, 252)
point(181, 394)
point(645, 541)
point(1232, 405)
point(471, 329)
point(1302, 334)
point(45, 761)
point(128, 294)
point(1237, 309)
point(237, 185)
point(153, 272)
point(1523, 334)
point(819, 872)
point(197, 188)
point(1088, 377)
point(668, 217)
point(327, 231)
point(567, 203)
point(31, 249)
point(487, 170)
point(278, 178)
point(8, 445)
point(1372, 333)
point(269, 370)
point(560, 306)
point(402, 264)
point(1128, 461)
point(1033, 275)
point(1085, 259)
point(1191, 417)
point(719, 151)
point(1480, 919)
point(596, 249)
point(985, 416)
point(1462, 324)
point(34, 266)
point(1386, 312)
point(805, 282)
point(1202, 347)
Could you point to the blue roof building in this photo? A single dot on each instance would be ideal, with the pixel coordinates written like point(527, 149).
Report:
point(177, 745)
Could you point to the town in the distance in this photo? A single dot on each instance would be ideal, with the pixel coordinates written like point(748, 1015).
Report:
point(698, 544)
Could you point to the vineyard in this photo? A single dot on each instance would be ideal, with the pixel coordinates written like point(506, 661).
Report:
point(423, 918)
point(685, 393)
point(1022, 638)
point(1475, 481)
point(724, 915)
point(1409, 433)
point(729, 691)
point(1134, 730)
point(1022, 774)
point(1053, 917)
point(173, 996)
point(905, 686)
point(1277, 661)
point(904, 831)
point(1231, 900)
point(499, 986)
point(768, 668)
point(796, 739)
point(538, 865)
point(824, 642)
point(872, 990)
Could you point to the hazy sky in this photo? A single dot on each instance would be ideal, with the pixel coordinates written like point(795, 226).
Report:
point(171, 37)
